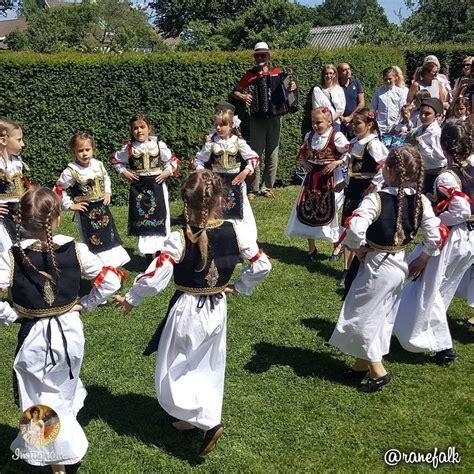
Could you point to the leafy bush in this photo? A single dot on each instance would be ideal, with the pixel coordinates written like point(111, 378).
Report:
point(54, 96)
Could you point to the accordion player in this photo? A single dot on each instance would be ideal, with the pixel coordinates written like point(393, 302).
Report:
point(271, 95)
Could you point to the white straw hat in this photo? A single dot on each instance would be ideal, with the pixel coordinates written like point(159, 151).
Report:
point(432, 59)
point(261, 47)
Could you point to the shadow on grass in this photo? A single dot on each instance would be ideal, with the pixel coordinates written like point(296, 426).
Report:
point(137, 262)
point(304, 362)
point(459, 333)
point(296, 256)
point(323, 327)
point(142, 417)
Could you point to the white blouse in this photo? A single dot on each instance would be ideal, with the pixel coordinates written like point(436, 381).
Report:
point(331, 97)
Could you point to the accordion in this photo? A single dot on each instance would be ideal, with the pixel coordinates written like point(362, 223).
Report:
point(271, 96)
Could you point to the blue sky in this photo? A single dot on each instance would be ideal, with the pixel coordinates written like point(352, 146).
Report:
point(390, 7)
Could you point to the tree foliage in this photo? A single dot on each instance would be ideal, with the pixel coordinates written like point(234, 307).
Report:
point(105, 25)
point(437, 21)
point(281, 23)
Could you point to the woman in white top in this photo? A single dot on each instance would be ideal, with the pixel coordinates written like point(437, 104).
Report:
point(426, 78)
point(330, 94)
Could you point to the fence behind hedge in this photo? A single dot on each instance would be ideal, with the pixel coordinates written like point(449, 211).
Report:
point(54, 96)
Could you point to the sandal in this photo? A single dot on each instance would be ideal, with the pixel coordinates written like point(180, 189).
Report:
point(268, 194)
point(251, 196)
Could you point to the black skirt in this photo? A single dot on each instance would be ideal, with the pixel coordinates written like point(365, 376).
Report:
point(316, 205)
point(353, 196)
point(233, 199)
point(9, 220)
point(98, 227)
point(147, 208)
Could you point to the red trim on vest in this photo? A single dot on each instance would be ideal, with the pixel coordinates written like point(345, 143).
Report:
point(158, 263)
point(100, 277)
point(27, 182)
point(380, 165)
point(346, 225)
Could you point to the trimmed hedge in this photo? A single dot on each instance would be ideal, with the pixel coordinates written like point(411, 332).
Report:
point(54, 96)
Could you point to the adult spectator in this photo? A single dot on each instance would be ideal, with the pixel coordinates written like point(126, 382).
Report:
point(464, 84)
point(426, 78)
point(264, 130)
point(388, 101)
point(354, 94)
point(441, 77)
point(400, 82)
point(330, 94)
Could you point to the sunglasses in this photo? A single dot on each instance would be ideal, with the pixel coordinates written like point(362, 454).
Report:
point(466, 65)
point(261, 56)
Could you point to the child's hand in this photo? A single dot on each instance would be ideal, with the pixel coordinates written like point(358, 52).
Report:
point(416, 267)
point(162, 176)
point(207, 138)
point(120, 301)
point(132, 177)
point(240, 178)
point(3, 209)
point(79, 206)
point(80, 308)
point(228, 290)
point(107, 197)
point(419, 139)
point(306, 165)
point(370, 189)
point(330, 167)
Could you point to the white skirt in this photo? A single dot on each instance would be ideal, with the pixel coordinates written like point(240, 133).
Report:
point(191, 357)
point(247, 223)
point(154, 243)
point(42, 383)
point(466, 287)
point(366, 320)
point(422, 324)
point(329, 232)
point(5, 240)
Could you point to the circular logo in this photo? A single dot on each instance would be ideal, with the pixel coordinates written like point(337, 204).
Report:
point(39, 425)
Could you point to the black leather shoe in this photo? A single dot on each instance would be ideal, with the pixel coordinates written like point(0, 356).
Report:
point(370, 385)
point(210, 440)
point(313, 254)
point(445, 357)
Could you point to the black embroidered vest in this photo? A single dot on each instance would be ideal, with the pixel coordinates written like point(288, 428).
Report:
point(328, 153)
point(381, 233)
point(87, 190)
point(32, 293)
point(143, 161)
point(225, 158)
point(11, 186)
point(364, 165)
point(223, 256)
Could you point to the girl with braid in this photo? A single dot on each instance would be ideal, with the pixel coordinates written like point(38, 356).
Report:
point(12, 181)
point(191, 340)
point(422, 324)
point(378, 232)
point(42, 274)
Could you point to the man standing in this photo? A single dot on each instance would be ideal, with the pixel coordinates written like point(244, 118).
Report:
point(264, 130)
point(355, 100)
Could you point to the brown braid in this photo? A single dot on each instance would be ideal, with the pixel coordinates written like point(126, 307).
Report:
point(399, 233)
point(406, 169)
point(37, 210)
point(201, 194)
point(457, 142)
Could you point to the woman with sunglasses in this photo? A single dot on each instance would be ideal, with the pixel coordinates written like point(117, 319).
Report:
point(461, 84)
point(330, 94)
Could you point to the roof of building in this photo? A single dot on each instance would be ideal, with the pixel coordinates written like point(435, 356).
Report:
point(8, 26)
point(336, 36)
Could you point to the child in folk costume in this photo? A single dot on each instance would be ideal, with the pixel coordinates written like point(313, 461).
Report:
point(378, 232)
point(139, 162)
point(191, 341)
point(89, 185)
point(421, 324)
point(12, 181)
point(323, 155)
point(427, 139)
point(366, 157)
point(224, 151)
point(42, 274)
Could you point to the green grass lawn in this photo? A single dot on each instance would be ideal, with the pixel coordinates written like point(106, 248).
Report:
point(286, 406)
